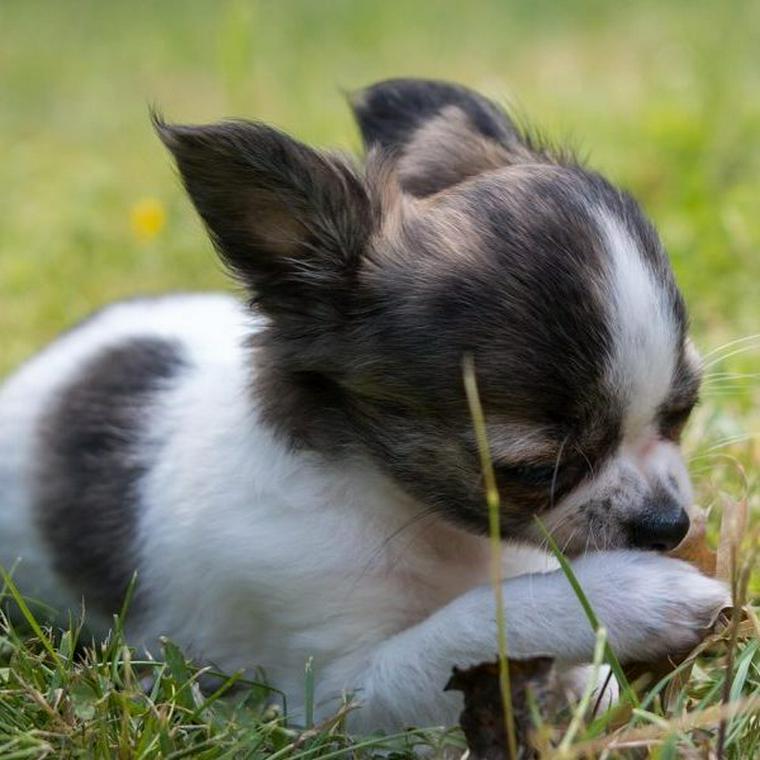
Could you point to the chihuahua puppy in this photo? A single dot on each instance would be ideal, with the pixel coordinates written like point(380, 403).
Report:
point(298, 476)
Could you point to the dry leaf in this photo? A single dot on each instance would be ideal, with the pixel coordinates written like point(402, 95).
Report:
point(733, 525)
point(482, 719)
point(694, 548)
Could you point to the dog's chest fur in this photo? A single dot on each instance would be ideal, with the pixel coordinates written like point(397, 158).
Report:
point(289, 528)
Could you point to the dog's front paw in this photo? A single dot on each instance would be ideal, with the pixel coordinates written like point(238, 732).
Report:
point(605, 690)
point(652, 606)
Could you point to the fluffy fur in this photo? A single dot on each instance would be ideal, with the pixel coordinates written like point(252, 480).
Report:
point(298, 477)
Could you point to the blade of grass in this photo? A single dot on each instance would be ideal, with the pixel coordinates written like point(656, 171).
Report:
point(220, 692)
point(125, 605)
point(494, 529)
point(740, 584)
point(30, 619)
point(309, 699)
point(610, 656)
point(580, 710)
point(683, 723)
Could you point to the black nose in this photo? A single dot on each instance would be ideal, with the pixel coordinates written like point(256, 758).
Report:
point(659, 530)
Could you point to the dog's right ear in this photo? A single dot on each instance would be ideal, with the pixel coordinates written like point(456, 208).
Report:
point(290, 222)
point(440, 133)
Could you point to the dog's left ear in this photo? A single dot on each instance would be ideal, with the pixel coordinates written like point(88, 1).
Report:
point(290, 222)
point(439, 132)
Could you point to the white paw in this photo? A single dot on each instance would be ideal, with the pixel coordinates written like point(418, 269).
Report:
point(652, 606)
point(605, 690)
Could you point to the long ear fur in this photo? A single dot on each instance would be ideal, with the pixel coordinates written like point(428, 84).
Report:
point(442, 133)
point(289, 221)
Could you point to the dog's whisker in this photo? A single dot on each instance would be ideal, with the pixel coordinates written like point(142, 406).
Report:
point(716, 376)
point(725, 391)
point(724, 443)
point(568, 541)
point(746, 338)
point(735, 352)
point(589, 463)
point(555, 473)
point(385, 543)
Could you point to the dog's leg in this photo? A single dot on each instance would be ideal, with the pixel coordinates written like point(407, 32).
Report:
point(651, 606)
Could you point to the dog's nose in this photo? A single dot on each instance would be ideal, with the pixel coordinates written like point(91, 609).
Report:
point(659, 531)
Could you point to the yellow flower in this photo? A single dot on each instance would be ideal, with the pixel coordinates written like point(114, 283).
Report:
point(148, 218)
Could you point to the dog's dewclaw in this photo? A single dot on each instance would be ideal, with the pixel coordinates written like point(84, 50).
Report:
point(694, 548)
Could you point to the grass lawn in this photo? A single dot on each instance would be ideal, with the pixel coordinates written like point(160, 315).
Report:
point(664, 97)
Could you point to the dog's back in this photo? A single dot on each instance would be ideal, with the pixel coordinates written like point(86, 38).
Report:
point(43, 494)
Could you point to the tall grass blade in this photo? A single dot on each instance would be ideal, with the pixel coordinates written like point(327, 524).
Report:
point(610, 656)
point(494, 529)
point(11, 587)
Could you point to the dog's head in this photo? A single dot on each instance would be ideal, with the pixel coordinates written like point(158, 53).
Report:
point(460, 236)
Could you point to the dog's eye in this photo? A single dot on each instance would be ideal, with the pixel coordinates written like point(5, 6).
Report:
point(672, 421)
point(536, 475)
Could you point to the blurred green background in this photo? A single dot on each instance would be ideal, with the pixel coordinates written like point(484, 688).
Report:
point(664, 97)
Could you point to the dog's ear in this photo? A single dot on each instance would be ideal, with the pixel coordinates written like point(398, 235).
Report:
point(289, 221)
point(441, 133)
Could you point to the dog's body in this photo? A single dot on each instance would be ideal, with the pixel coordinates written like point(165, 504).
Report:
point(299, 479)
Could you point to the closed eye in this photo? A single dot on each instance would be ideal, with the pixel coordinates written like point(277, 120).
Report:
point(536, 475)
point(673, 420)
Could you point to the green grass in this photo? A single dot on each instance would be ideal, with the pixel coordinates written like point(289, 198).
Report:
point(64, 696)
point(664, 97)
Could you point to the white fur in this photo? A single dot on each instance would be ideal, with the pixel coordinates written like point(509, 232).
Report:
point(209, 325)
point(641, 365)
point(659, 463)
point(254, 554)
point(646, 335)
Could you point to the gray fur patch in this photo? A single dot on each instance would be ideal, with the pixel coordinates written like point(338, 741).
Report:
point(91, 461)
point(463, 235)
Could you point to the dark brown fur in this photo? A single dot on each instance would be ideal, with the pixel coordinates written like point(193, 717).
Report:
point(91, 458)
point(459, 236)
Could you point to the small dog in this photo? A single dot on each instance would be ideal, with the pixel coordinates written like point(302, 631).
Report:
point(299, 476)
